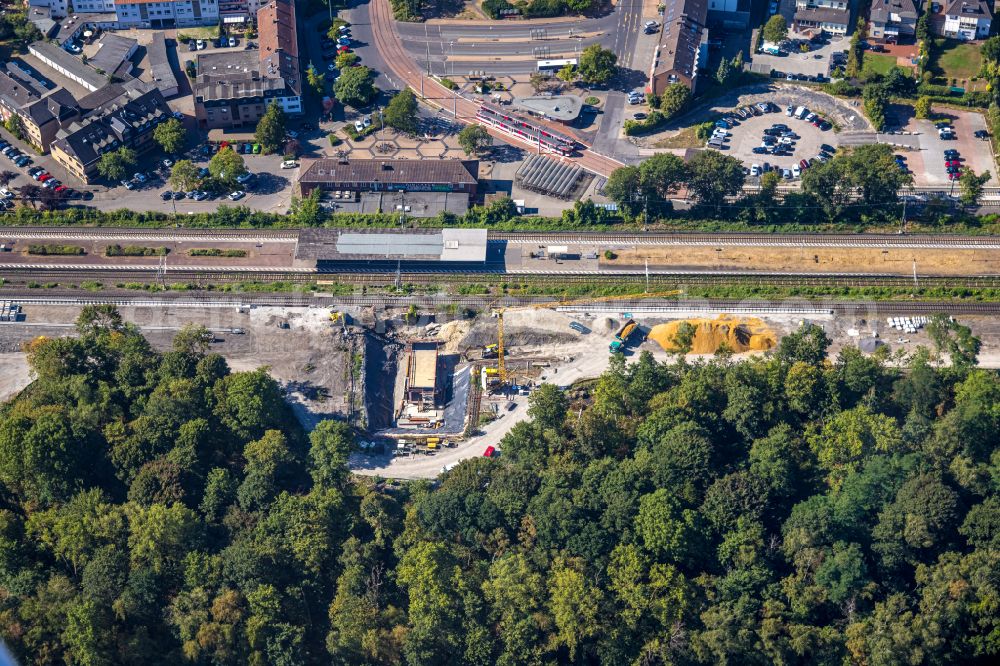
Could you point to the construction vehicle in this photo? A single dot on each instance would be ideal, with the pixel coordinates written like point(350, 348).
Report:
point(433, 442)
point(491, 351)
point(336, 316)
point(623, 334)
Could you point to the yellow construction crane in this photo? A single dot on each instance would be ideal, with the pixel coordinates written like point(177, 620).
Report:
point(501, 370)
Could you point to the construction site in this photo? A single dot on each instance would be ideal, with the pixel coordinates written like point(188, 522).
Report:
point(426, 385)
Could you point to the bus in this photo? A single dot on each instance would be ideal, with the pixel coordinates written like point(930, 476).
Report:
point(553, 66)
point(524, 129)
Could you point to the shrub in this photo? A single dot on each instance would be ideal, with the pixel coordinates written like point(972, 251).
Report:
point(334, 139)
point(637, 127)
point(51, 249)
point(449, 84)
point(116, 250)
point(593, 101)
point(215, 252)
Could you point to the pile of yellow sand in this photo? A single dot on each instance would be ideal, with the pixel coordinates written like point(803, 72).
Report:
point(740, 334)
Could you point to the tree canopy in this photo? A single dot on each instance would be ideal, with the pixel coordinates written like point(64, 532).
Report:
point(597, 64)
point(270, 132)
point(784, 509)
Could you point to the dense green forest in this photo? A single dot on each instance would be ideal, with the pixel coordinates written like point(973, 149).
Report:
point(160, 509)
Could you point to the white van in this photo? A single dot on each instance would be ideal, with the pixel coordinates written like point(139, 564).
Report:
point(801, 112)
point(289, 164)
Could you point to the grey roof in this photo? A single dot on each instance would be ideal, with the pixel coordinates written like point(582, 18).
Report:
point(60, 105)
point(41, 17)
point(69, 62)
point(970, 9)
point(232, 75)
point(680, 38)
point(114, 123)
point(112, 93)
point(159, 64)
point(824, 15)
point(548, 176)
point(557, 107)
point(114, 51)
point(881, 9)
point(16, 94)
point(392, 172)
point(461, 245)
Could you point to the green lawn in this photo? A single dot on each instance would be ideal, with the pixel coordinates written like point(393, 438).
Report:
point(955, 60)
point(878, 64)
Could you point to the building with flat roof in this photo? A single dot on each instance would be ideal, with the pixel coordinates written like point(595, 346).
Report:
point(379, 175)
point(233, 89)
point(118, 115)
point(69, 65)
point(41, 115)
point(159, 65)
point(563, 108)
point(388, 248)
point(683, 46)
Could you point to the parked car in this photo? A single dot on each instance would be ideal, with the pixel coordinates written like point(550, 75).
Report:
point(178, 196)
point(203, 172)
point(755, 170)
point(639, 116)
point(244, 178)
point(61, 189)
point(804, 164)
point(167, 162)
point(200, 195)
point(796, 171)
point(128, 184)
point(759, 150)
point(140, 177)
point(237, 195)
point(232, 42)
point(23, 161)
point(289, 164)
point(166, 195)
point(200, 44)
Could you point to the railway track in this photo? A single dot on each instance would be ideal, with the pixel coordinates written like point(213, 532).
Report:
point(861, 308)
point(753, 240)
point(22, 274)
point(163, 235)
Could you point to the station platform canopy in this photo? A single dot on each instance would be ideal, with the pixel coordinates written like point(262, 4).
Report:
point(410, 245)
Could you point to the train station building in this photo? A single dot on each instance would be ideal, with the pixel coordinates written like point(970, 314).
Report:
point(387, 175)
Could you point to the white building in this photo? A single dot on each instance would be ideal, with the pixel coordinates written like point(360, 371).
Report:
point(58, 8)
point(94, 6)
point(166, 14)
point(814, 16)
point(968, 19)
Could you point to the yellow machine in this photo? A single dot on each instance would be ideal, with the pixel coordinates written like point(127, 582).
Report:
point(433, 442)
point(336, 317)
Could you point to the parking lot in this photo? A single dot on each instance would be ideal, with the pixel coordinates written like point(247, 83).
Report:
point(816, 61)
point(805, 143)
point(927, 162)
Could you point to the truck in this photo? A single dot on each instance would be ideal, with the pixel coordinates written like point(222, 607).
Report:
point(623, 335)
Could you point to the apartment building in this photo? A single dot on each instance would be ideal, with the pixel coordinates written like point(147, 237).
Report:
point(683, 46)
point(233, 89)
point(166, 13)
point(892, 19)
point(114, 116)
point(41, 116)
point(93, 6)
point(814, 16)
point(968, 19)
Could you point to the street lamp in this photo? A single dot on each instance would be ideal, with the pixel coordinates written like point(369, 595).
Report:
point(402, 207)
